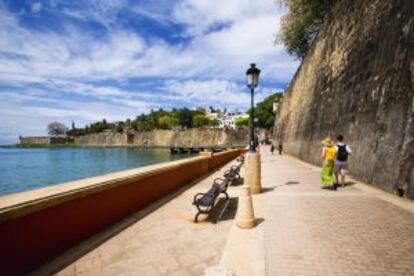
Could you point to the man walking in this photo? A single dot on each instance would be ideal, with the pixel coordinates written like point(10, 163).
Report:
point(341, 161)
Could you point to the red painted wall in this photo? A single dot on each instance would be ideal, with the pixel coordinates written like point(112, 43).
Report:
point(29, 241)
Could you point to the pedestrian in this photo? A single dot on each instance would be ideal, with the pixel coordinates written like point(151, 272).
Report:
point(328, 157)
point(280, 148)
point(341, 160)
point(272, 147)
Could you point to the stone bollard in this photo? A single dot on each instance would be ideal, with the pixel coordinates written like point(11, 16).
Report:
point(253, 172)
point(245, 213)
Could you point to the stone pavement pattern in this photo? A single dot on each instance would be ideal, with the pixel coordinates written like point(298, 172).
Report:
point(159, 242)
point(310, 231)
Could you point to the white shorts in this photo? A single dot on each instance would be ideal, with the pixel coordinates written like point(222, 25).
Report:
point(340, 167)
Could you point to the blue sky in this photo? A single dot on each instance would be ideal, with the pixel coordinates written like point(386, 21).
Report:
point(115, 59)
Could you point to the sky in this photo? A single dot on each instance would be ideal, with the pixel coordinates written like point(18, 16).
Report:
point(85, 60)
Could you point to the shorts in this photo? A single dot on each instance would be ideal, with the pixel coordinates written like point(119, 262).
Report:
point(339, 167)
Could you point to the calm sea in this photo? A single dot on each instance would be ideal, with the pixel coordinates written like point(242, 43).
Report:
point(27, 169)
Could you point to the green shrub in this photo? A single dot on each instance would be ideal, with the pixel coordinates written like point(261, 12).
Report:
point(301, 24)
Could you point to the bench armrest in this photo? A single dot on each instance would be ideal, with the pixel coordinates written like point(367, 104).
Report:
point(195, 197)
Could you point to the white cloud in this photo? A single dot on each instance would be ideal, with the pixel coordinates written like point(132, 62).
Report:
point(30, 114)
point(213, 93)
point(36, 7)
point(200, 15)
point(75, 54)
point(223, 38)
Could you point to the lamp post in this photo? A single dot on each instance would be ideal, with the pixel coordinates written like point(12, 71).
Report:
point(252, 81)
point(253, 167)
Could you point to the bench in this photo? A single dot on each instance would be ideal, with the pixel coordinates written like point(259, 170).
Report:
point(240, 159)
point(206, 201)
point(235, 169)
point(232, 176)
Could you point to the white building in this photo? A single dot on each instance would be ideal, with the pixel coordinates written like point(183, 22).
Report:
point(229, 119)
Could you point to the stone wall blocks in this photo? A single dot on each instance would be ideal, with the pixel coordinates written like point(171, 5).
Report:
point(372, 88)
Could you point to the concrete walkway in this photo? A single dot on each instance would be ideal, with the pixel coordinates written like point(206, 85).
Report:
point(160, 240)
point(302, 230)
point(356, 230)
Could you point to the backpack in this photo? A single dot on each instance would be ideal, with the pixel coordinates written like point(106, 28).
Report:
point(342, 153)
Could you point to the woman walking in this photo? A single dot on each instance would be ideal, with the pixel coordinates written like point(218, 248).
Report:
point(328, 155)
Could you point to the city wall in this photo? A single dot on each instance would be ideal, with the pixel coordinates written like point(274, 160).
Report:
point(45, 140)
point(357, 80)
point(166, 138)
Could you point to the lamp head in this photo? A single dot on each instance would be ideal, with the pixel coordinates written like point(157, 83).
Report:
point(253, 76)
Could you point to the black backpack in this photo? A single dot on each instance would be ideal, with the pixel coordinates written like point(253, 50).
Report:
point(342, 153)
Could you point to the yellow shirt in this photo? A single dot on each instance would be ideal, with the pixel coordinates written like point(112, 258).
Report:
point(330, 153)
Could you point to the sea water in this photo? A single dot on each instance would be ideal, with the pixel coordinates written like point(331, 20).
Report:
point(23, 169)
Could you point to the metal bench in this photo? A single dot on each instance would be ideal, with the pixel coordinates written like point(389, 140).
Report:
point(232, 176)
point(235, 169)
point(206, 201)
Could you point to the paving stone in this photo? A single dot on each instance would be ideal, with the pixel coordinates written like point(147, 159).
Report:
point(158, 243)
point(309, 231)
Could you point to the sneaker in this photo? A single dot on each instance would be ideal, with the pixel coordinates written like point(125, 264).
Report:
point(399, 191)
point(335, 186)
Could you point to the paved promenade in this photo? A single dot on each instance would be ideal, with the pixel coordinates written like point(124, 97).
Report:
point(161, 240)
point(302, 230)
point(309, 231)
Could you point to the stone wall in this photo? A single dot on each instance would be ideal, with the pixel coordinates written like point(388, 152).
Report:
point(191, 137)
point(358, 81)
point(41, 140)
point(45, 140)
point(105, 138)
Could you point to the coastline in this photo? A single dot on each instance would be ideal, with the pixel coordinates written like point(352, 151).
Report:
point(115, 146)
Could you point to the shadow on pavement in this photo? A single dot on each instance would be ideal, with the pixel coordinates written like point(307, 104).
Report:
point(237, 182)
point(259, 220)
point(270, 189)
point(224, 210)
point(291, 183)
point(348, 184)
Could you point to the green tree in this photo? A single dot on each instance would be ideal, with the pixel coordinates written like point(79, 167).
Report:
point(167, 122)
point(200, 120)
point(242, 121)
point(185, 118)
point(128, 123)
point(213, 122)
point(56, 129)
point(120, 127)
point(264, 111)
point(301, 24)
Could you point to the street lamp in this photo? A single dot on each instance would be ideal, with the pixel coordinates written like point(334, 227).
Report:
point(252, 81)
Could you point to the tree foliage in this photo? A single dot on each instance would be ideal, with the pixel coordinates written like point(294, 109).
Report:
point(56, 129)
point(167, 122)
point(242, 121)
point(301, 24)
point(156, 119)
point(264, 111)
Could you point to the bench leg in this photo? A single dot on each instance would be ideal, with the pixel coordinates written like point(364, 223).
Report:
point(196, 217)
